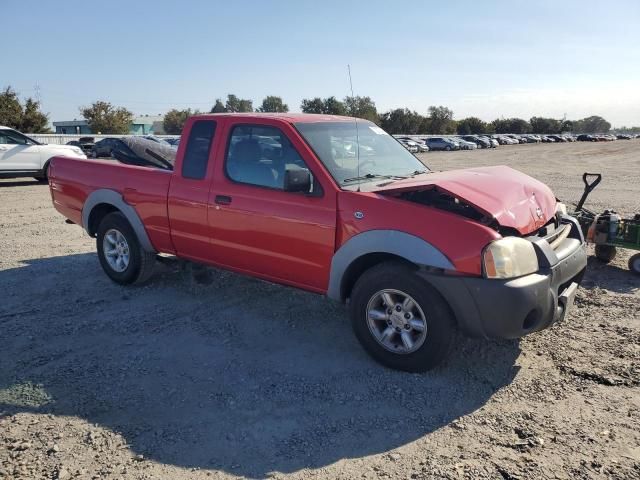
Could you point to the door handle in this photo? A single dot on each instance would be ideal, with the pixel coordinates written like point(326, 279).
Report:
point(223, 200)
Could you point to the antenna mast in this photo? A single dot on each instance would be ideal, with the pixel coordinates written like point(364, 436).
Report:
point(355, 120)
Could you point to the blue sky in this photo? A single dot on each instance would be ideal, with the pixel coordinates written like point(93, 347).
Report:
point(488, 59)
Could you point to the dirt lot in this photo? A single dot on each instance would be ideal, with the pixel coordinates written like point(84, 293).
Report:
point(238, 377)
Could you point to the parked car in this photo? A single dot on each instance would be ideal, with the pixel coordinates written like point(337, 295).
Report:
point(441, 143)
point(586, 138)
point(517, 138)
point(422, 146)
point(22, 156)
point(104, 147)
point(531, 138)
point(84, 143)
point(493, 143)
point(547, 139)
point(464, 145)
point(480, 142)
point(557, 138)
point(409, 145)
point(417, 254)
point(505, 140)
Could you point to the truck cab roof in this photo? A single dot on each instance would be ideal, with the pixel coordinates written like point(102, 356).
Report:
point(288, 117)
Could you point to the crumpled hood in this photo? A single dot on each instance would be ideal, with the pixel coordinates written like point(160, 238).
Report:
point(513, 199)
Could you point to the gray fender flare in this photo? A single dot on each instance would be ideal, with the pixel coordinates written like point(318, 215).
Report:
point(401, 244)
point(111, 197)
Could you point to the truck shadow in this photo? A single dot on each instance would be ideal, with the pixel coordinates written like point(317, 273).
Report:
point(610, 276)
point(238, 375)
point(21, 183)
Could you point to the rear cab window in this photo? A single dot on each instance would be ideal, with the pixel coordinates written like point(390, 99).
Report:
point(198, 150)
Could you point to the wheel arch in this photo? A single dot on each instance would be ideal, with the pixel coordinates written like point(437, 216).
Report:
point(104, 201)
point(370, 248)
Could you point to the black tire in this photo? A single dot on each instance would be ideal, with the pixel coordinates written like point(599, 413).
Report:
point(605, 253)
point(447, 148)
point(141, 262)
point(440, 322)
point(634, 263)
point(43, 176)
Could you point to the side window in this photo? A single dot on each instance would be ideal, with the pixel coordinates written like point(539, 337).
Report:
point(196, 155)
point(259, 155)
point(13, 138)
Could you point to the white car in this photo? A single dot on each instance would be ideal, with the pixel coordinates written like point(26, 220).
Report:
point(21, 156)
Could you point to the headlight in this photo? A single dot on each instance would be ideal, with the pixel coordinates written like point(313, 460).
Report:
point(509, 258)
point(562, 208)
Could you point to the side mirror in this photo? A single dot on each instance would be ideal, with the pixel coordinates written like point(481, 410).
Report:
point(297, 180)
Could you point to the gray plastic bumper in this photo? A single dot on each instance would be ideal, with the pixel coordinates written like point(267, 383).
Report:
point(513, 308)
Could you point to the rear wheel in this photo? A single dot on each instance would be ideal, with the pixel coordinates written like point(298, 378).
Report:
point(399, 319)
point(634, 263)
point(605, 253)
point(121, 256)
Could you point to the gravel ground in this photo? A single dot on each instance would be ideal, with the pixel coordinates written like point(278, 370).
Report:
point(237, 377)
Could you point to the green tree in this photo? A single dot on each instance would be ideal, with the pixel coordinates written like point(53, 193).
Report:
point(107, 119)
point(333, 106)
point(402, 120)
point(328, 106)
point(174, 120)
point(11, 111)
point(545, 125)
point(440, 120)
point(314, 105)
point(271, 103)
point(593, 124)
point(218, 107)
point(33, 120)
point(471, 125)
point(511, 125)
point(362, 107)
point(235, 104)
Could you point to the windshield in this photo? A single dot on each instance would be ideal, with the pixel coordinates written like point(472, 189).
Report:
point(381, 156)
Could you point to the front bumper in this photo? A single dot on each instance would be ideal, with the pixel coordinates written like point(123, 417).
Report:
point(515, 307)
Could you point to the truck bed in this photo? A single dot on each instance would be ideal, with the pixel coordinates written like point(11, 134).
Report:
point(144, 188)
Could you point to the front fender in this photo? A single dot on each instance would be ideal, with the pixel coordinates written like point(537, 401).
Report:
point(401, 244)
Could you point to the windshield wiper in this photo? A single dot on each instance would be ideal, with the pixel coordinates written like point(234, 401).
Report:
point(372, 175)
point(418, 172)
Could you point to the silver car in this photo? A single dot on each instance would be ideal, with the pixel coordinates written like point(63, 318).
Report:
point(464, 145)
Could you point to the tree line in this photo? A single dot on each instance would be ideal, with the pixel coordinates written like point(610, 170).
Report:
point(103, 117)
point(438, 121)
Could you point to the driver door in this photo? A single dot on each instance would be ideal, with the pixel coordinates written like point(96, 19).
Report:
point(255, 225)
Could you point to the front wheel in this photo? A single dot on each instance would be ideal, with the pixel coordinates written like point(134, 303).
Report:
point(605, 253)
point(634, 263)
point(399, 319)
point(121, 256)
point(448, 149)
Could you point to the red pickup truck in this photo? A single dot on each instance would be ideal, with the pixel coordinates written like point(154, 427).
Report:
point(338, 207)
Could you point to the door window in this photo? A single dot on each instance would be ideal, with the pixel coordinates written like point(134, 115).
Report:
point(259, 155)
